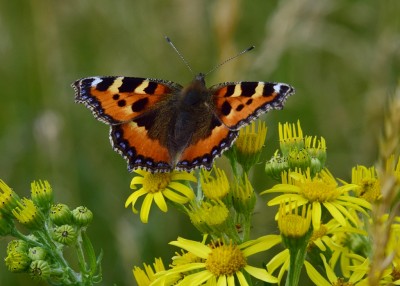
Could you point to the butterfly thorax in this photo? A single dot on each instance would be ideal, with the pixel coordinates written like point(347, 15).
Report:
point(193, 109)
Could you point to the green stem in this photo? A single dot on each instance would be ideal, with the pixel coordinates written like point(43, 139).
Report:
point(57, 254)
point(80, 254)
point(246, 227)
point(297, 257)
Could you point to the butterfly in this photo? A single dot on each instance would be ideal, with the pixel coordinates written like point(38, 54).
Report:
point(160, 126)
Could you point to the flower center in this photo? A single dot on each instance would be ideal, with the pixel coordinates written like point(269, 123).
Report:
point(154, 183)
point(395, 273)
point(225, 260)
point(291, 225)
point(370, 190)
point(319, 191)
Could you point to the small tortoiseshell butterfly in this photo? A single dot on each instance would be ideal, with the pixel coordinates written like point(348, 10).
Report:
point(160, 126)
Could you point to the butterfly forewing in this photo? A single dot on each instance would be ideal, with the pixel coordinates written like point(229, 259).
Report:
point(237, 104)
point(115, 100)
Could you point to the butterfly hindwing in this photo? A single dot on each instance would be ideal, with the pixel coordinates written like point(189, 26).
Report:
point(131, 140)
point(202, 151)
point(114, 100)
point(238, 103)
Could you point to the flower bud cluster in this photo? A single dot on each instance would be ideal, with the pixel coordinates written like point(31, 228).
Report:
point(53, 227)
point(297, 152)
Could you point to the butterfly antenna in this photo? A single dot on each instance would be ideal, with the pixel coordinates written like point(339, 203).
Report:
point(231, 58)
point(180, 55)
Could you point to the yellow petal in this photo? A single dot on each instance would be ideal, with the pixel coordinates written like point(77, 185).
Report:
point(134, 196)
point(316, 215)
point(185, 190)
point(261, 274)
point(221, 281)
point(278, 260)
point(335, 213)
point(315, 276)
point(262, 245)
point(160, 202)
point(286, 198)
point(145, 210)
point(197, 248)
point(183, 176)
point(172, 196)
point(242, 279)
point(282, 188)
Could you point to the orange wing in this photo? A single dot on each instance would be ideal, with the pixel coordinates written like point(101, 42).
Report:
point(237, 104)
point(132, 141)
point(202, 152)
point(115, 100)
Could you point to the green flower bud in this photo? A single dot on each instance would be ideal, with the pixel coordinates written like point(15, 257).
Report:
point(37, 253)
point(17, 261)
point(6, 225)
point(249, 144)
point(65, 234)
point(17, 245)
point(317, 152)
point(276, 166)
point(299, 159)
point(210, 217)
point(244, 198)
point(42, 194)
point(82, 216)
point(60, 214)
point(8, 199)
point(290, 137)
point(40, 270)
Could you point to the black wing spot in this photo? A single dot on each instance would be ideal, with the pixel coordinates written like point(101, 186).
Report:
point(249, 101)
point(226, 108)
point(140, 104)
point(121, 103)
point(239, 107)
point(146, 121)
point(116, 96)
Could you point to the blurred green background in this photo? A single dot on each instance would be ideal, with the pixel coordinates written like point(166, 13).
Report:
point(342, 57)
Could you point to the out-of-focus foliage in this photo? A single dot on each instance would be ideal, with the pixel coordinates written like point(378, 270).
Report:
point(341, 56)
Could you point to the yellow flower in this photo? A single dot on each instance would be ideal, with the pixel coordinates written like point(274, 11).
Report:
point(251, 138)
point(342, 241)
point(249, 144)
point(28, 214)
point(214, 188)
point(291, 224)
point(8, 198)
point(290, 137)
point(211, 217)
point(221, 263)
point(319, 191)
point(157, 187)
point(148, 275)
point(42, 194)
point(367, 179)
